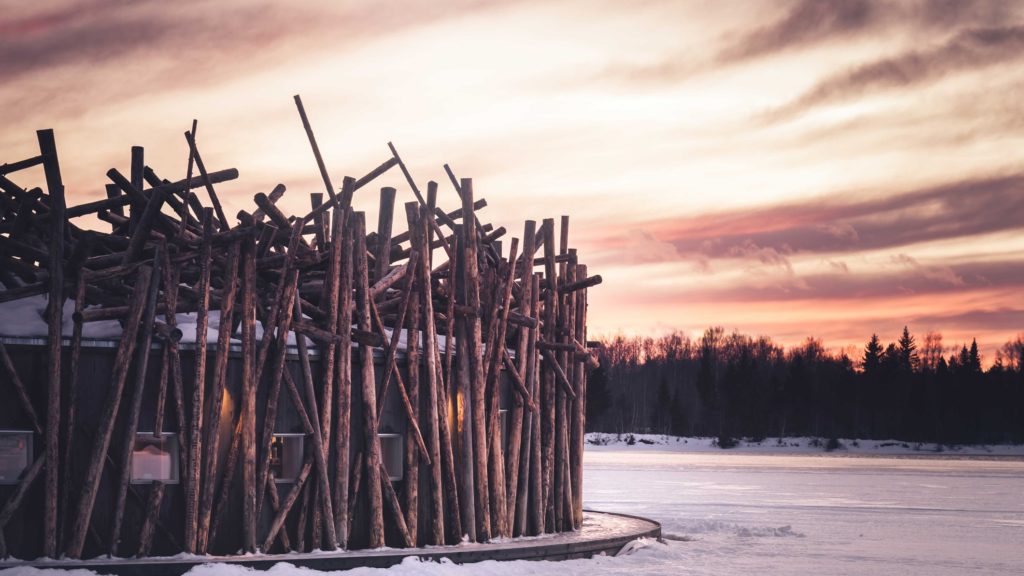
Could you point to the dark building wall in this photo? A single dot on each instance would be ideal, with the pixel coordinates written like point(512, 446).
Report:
point(24, 531)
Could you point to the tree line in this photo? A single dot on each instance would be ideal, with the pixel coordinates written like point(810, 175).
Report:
point(730, 385)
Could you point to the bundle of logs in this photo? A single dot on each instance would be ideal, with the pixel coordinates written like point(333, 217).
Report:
point(475, 317)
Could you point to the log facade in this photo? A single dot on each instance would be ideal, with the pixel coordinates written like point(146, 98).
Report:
point(274, 383)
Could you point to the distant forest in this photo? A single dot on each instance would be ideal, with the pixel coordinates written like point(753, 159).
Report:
point(734, 386)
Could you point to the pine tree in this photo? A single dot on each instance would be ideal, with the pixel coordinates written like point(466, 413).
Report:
point(872, 355)
point(909, 360)
point(964, 361)
point(973, 358)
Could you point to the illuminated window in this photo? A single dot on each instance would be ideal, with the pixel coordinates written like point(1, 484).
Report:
point(155, 458)
point(286, 452)
point(15, 454)
point(393, 455)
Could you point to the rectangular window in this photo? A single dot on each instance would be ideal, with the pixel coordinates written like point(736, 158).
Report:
point(392, 453)
point(286, 453)
point(15, 454)
point(155, 458)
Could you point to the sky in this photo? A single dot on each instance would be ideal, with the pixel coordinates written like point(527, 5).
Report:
point(790, 169)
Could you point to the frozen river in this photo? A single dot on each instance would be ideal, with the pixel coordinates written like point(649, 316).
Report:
point(817, 514)
point(736, 513)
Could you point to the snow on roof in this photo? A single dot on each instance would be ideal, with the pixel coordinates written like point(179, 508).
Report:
point(24, 318)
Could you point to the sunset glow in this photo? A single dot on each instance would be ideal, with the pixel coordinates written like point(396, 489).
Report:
point(792, 169)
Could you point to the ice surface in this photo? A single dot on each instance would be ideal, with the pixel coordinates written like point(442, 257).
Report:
point(736, 513)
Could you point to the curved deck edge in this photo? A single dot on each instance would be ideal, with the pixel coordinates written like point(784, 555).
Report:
point(602, 532)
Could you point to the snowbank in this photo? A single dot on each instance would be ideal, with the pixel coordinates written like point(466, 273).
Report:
point(795, 445)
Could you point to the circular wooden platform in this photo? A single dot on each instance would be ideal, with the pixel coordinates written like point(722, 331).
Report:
point(602, 532)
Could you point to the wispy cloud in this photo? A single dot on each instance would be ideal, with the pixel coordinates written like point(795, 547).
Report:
point(838, 224)
point(810, 22)
point(967, 51)
point(807, 21)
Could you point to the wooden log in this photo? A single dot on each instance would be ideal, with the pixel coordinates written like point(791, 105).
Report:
point(213, 416)
point(391, 498)
point(298, 403)
point(582, 284)
point(364, 338)
point(524, 396)
point(194, 151)
point(71, 415)
point(420, 236)
point(275, 505)
point(310, 330)
point(273, 212)
point(171, 287)
point(289, 501)
point(388, 281)
point(189, 197)
point(161, 392)
point(7, 168)
point(567, 309)
point(319, 450)
point(579, 405)
point(343, 368)
point(270, 323)
point(19, 388)
point(548, 430)
point(464, 424)
point(55, 186)
point(343, 201)
point(392, 370)
point(419, 197)
point(280, 365)
point(156, 496)
point(144, 227)
point(227, 477)
point(384, 223)
point(447, 218)
point(329, 358)
point(249, 383)
point(316, 149)
point(91, 477)
point(138, 182)
point(529, 491)
point(275, 195)
point(471, 279)
point(372, 440)
point(134, 408)
point(559, 374)
point(302, 521)
point(493, 235)
point(316, 199)
point(357, 482)
point(453, 511)
point(518, 320)
point(287, 292)
point(171, 276)
point(449, 348)
point(411, 481)
point(24, 291)
point(496, 353)
point(475, 223)
point(193, 476)
point(557, 362)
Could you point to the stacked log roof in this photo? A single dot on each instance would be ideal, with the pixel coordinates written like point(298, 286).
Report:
point(261, 280)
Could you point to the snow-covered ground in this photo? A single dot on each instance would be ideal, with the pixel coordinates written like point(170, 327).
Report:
point(768, 511)
point(799, 445)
